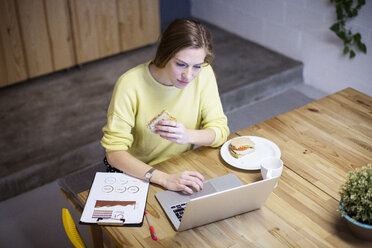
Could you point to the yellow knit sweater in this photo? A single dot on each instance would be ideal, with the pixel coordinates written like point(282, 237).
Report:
point(137, 98)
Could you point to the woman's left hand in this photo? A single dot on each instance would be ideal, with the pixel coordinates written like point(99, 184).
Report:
point(173, 131)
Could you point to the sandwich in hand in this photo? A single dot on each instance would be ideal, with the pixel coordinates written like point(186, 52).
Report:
point(163, 115)
point(241, 146)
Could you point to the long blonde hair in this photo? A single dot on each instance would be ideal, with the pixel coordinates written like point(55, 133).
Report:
point(180, 34)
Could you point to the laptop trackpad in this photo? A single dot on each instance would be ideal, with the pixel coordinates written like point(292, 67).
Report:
point(208, 189)
point(217, 184)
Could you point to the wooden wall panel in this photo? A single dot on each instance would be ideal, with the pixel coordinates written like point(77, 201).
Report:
point(60, 33)
point(139, 23)
point(35, 37)
point(12, 61)
point(151, 20)
point(95, 29)
point(130, 24)
point(3, 72)
point(107, 27)
point(85, 36)
point(41, 36)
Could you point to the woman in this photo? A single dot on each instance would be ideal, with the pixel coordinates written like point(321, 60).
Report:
point(180, 80)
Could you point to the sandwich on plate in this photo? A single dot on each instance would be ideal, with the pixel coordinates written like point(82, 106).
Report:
point(241, 146)
point(163, 115)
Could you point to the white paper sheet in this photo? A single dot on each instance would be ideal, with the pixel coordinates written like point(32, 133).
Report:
point(115, 197)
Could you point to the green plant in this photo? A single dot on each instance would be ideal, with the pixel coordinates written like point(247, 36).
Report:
point(356, 195)
point(345, 10)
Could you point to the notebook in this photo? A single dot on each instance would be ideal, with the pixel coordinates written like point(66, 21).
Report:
point(222, 197)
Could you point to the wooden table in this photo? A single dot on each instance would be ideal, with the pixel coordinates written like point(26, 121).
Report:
point(320, 142)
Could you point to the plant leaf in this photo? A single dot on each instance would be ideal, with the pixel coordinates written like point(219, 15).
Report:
point(346, 50)
point(352, 54)
point(362, 47)
point(357, 37)
point(335, 27)
point(339, 12)
point(361, 3)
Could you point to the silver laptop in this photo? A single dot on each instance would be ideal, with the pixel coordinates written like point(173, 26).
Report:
point(222, 197)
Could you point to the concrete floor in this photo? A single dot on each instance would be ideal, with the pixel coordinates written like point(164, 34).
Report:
point(33, 219)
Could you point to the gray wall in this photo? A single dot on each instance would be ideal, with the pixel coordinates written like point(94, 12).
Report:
point(298, 29)
point(173, 9)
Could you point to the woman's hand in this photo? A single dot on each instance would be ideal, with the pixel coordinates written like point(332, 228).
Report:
point(173, 131)
point(183, 181)
point(176, 132)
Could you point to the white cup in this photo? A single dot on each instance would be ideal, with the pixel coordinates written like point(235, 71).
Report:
point(271, 167)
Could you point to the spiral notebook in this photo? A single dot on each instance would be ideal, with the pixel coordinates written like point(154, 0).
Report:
point(115, 199)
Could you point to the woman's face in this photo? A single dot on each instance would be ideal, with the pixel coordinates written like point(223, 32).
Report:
point(184, 66)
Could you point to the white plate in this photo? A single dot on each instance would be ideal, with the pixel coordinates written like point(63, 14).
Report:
point(263, 149)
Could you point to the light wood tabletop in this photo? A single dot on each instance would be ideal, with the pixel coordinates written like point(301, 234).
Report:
point(320, 142)
point(325, 139)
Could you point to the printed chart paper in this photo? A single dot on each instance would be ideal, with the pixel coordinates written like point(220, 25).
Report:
point(115, 198)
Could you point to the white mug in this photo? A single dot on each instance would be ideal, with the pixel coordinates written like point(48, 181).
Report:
point(271, 167)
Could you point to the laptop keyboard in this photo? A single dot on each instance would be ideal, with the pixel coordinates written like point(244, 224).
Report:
point(178, 210)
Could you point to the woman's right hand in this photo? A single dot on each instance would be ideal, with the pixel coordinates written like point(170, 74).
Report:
point(183, 181)
point(124, 161)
